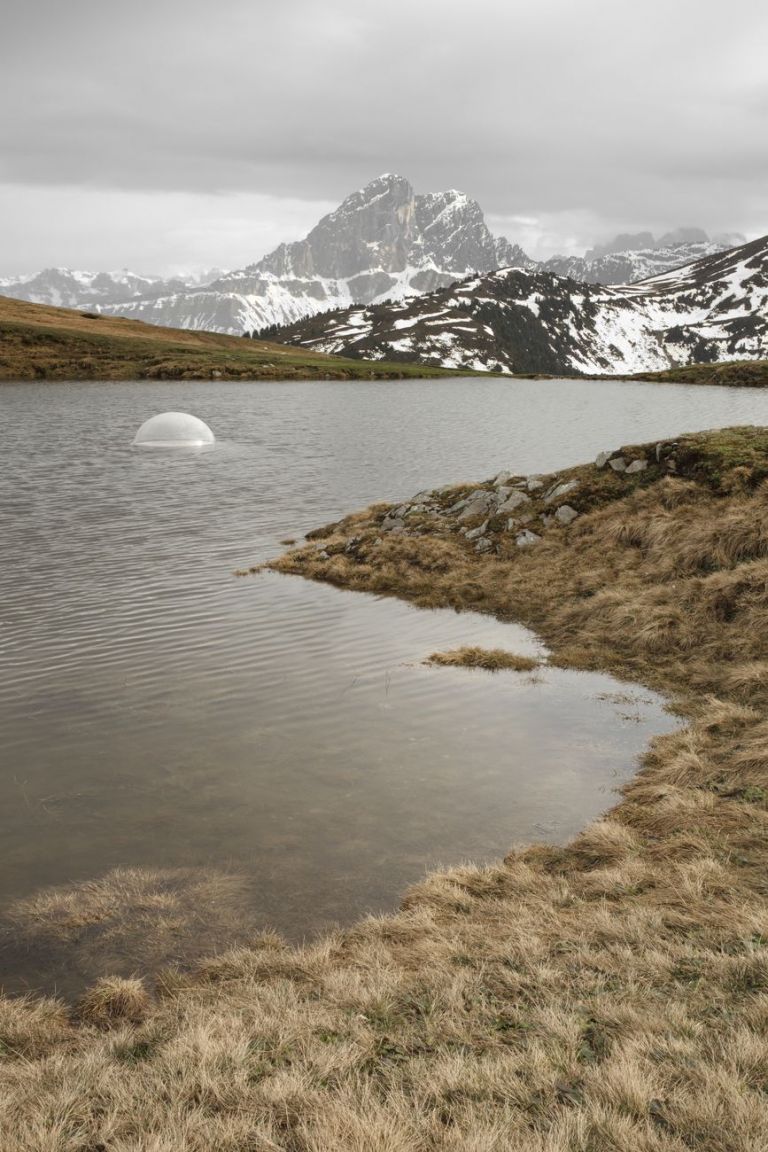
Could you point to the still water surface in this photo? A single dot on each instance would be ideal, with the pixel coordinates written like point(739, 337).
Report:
point(157, 710)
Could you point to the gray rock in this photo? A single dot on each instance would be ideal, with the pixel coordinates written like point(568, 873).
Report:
point(403, 510)
point(560, 490)
point(323, 555)
point(459, 506)
point(637, 466)
point(565, 514)
point(527, 538)
point(416, 508)
point(421, 497)
point(502, 492)
point(618, 464)
point(602, 459)
point(392, 524)
point(476, 533)
point(512, 502)
point(534, 483)
point(484, 544)
point(502, 478)
point(478, 503)
point(519, 520)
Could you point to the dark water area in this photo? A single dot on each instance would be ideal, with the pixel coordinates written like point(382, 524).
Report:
point(157, 711)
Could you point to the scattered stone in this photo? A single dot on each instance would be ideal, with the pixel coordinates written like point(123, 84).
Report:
point(478, 503)
point(518, 521)
point(502, 492)
point(502, 478)
point(392, 524)
point(459, 506)
point(618, 463)
point(352, 544)
point(602, 459)
point(560, 490)
point(534, 483)
point(526, 539)
point(546, 520)
point(323, 555)
point(483, 544)
point(637, 466)
point(421, 497)
point(513, 501)
point(402, 511)
point(565, 514)
point(476, 533)
point(416, 508)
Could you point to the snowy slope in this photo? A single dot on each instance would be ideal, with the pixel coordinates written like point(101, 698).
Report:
point(631, 264)
point(517, 320)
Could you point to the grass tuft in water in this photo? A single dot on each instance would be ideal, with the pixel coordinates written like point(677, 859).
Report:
point(491, 659)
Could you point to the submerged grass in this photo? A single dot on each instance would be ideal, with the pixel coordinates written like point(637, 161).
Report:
point(491, 659)
point(610, 995)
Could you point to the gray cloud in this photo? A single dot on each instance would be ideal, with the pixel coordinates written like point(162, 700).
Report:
point(582, 115)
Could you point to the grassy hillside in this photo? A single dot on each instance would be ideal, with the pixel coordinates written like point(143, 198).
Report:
point(732, 374)
point(42, 343)
point(607, 995)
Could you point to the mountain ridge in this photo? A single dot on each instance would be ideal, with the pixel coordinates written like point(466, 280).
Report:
point(384, 241)
point(515, 320)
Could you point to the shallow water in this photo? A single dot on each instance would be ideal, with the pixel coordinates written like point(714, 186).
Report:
point(156, 710)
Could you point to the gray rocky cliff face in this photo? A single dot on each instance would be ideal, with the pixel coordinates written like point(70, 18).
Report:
point(382, 242)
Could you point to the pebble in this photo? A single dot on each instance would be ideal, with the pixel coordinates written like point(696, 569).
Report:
point(527, 538)
point(565, 514)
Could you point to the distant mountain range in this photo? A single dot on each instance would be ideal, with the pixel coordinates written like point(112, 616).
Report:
point(529, 320)
point(383, 243)
point(65, 288)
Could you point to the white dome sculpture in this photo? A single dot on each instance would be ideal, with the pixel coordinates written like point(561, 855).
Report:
point(173, 430)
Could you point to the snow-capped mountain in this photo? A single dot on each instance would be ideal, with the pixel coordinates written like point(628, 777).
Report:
point(383, 242)
point(629, 258)
point(517, 320)
point(66, 288)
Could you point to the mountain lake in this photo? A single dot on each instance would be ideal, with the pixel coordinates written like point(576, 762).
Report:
point(159, 712)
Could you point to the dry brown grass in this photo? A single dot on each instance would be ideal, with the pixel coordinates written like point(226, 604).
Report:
point(39, 342)
point(610, 995)
point(491, 659)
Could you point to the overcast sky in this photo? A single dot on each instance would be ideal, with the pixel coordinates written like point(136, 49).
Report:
point(176, 134)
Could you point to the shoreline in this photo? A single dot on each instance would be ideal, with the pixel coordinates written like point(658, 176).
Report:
point(608, 993)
